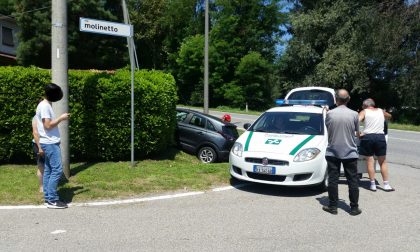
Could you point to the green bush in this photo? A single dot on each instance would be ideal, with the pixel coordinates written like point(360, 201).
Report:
point(100, 107)
point(20, 89)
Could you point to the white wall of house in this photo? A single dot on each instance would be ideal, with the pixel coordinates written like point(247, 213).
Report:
point(8, 36)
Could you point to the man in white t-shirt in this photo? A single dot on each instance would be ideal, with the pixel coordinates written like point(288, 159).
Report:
point(373, 142)
point(49, 138)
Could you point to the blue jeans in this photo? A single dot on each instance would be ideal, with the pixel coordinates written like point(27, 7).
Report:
point(52, 170)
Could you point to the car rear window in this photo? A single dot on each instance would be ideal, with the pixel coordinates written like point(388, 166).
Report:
point(181, 115)
point(231, 131)
point(210, 126)
point(313, 95)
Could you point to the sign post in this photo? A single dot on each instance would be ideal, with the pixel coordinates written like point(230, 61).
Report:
point(115, 29)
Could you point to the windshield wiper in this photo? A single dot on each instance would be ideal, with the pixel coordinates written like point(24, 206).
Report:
point(290, 132)
point(259, 130)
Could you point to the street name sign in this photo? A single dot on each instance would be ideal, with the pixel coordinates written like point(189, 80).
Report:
point(105, 27)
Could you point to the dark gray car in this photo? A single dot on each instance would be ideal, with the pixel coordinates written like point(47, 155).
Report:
point(206, 136)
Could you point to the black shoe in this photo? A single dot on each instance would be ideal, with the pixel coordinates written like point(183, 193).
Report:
point(56, 204)
point(331, 210)
point(355, 211)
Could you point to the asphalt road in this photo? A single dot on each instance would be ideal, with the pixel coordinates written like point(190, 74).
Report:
point(404, 148)
point(250, 218)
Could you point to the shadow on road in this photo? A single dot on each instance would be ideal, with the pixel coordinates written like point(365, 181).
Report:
point(324, 201)
point(67, 194)
point(275, 190)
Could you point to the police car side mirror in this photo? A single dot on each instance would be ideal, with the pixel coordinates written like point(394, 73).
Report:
point(247, 125)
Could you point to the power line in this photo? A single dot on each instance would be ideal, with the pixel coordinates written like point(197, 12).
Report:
point(33, 10)
point(20, 13)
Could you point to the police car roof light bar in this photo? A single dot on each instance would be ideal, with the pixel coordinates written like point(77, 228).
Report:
point(282, 102)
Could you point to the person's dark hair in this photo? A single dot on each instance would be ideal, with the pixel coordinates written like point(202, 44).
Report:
point(53, 92)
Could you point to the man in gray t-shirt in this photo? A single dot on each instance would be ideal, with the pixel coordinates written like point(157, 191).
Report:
point(342, 125)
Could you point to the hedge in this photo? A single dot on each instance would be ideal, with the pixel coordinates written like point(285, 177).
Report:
point(100, 107)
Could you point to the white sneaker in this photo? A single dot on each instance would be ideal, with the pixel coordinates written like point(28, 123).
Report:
point(388, 188)
point(372, 187)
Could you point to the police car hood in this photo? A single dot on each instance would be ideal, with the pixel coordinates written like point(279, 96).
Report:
point(288, 144)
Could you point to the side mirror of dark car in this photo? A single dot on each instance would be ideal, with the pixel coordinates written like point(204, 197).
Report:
point(247, 125)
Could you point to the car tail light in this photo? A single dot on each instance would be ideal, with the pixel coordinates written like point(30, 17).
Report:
point(226, 136)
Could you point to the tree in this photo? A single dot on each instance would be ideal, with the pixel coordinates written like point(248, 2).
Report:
point(160, 28)
point(395, 51)
point(35, 34)
point(87, 50)
point(190, 70)
point(238, 28)
point(84, 50)
point(6, 7)
point(183, 18)
point(368, 47)
point(252, 83)
point(147, 17)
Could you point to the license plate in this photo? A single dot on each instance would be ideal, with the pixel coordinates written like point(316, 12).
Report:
point(265, 169)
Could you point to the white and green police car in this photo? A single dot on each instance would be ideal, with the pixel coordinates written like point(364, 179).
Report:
point(284, 146)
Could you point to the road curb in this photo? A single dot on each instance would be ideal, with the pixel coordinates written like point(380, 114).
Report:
point(128, 201)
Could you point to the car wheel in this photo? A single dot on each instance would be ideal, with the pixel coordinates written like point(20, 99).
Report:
point(207, 155)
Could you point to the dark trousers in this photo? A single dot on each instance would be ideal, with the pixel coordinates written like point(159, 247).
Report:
point(350, 170)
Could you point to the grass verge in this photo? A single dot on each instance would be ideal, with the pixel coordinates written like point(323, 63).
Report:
point(409, 127)
point(225, 109)
point(97, 181)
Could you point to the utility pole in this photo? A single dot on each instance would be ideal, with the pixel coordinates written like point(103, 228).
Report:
point(59, 67)
point(206, 60)
point(130, 42)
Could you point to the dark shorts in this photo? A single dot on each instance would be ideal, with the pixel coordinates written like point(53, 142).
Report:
point(373, 145)
point(39, 160)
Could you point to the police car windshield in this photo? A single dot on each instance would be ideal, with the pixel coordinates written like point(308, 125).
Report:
point(290, 123)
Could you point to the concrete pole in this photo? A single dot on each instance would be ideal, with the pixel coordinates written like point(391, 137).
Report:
point(59, 67)
point(206, 60)
point(130, 43)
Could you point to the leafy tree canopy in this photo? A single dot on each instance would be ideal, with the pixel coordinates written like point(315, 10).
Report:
point(84, 50)
point(369, 47)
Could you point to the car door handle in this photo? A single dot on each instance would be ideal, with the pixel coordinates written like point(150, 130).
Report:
point(200, 132)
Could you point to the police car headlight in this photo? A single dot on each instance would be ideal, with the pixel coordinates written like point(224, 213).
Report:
point(306, 155)
point(237, 149)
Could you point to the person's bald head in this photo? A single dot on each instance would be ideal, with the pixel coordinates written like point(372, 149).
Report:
point(342, 97)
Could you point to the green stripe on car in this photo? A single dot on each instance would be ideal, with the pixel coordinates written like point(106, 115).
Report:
point(293, 152)
point(248, 140)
